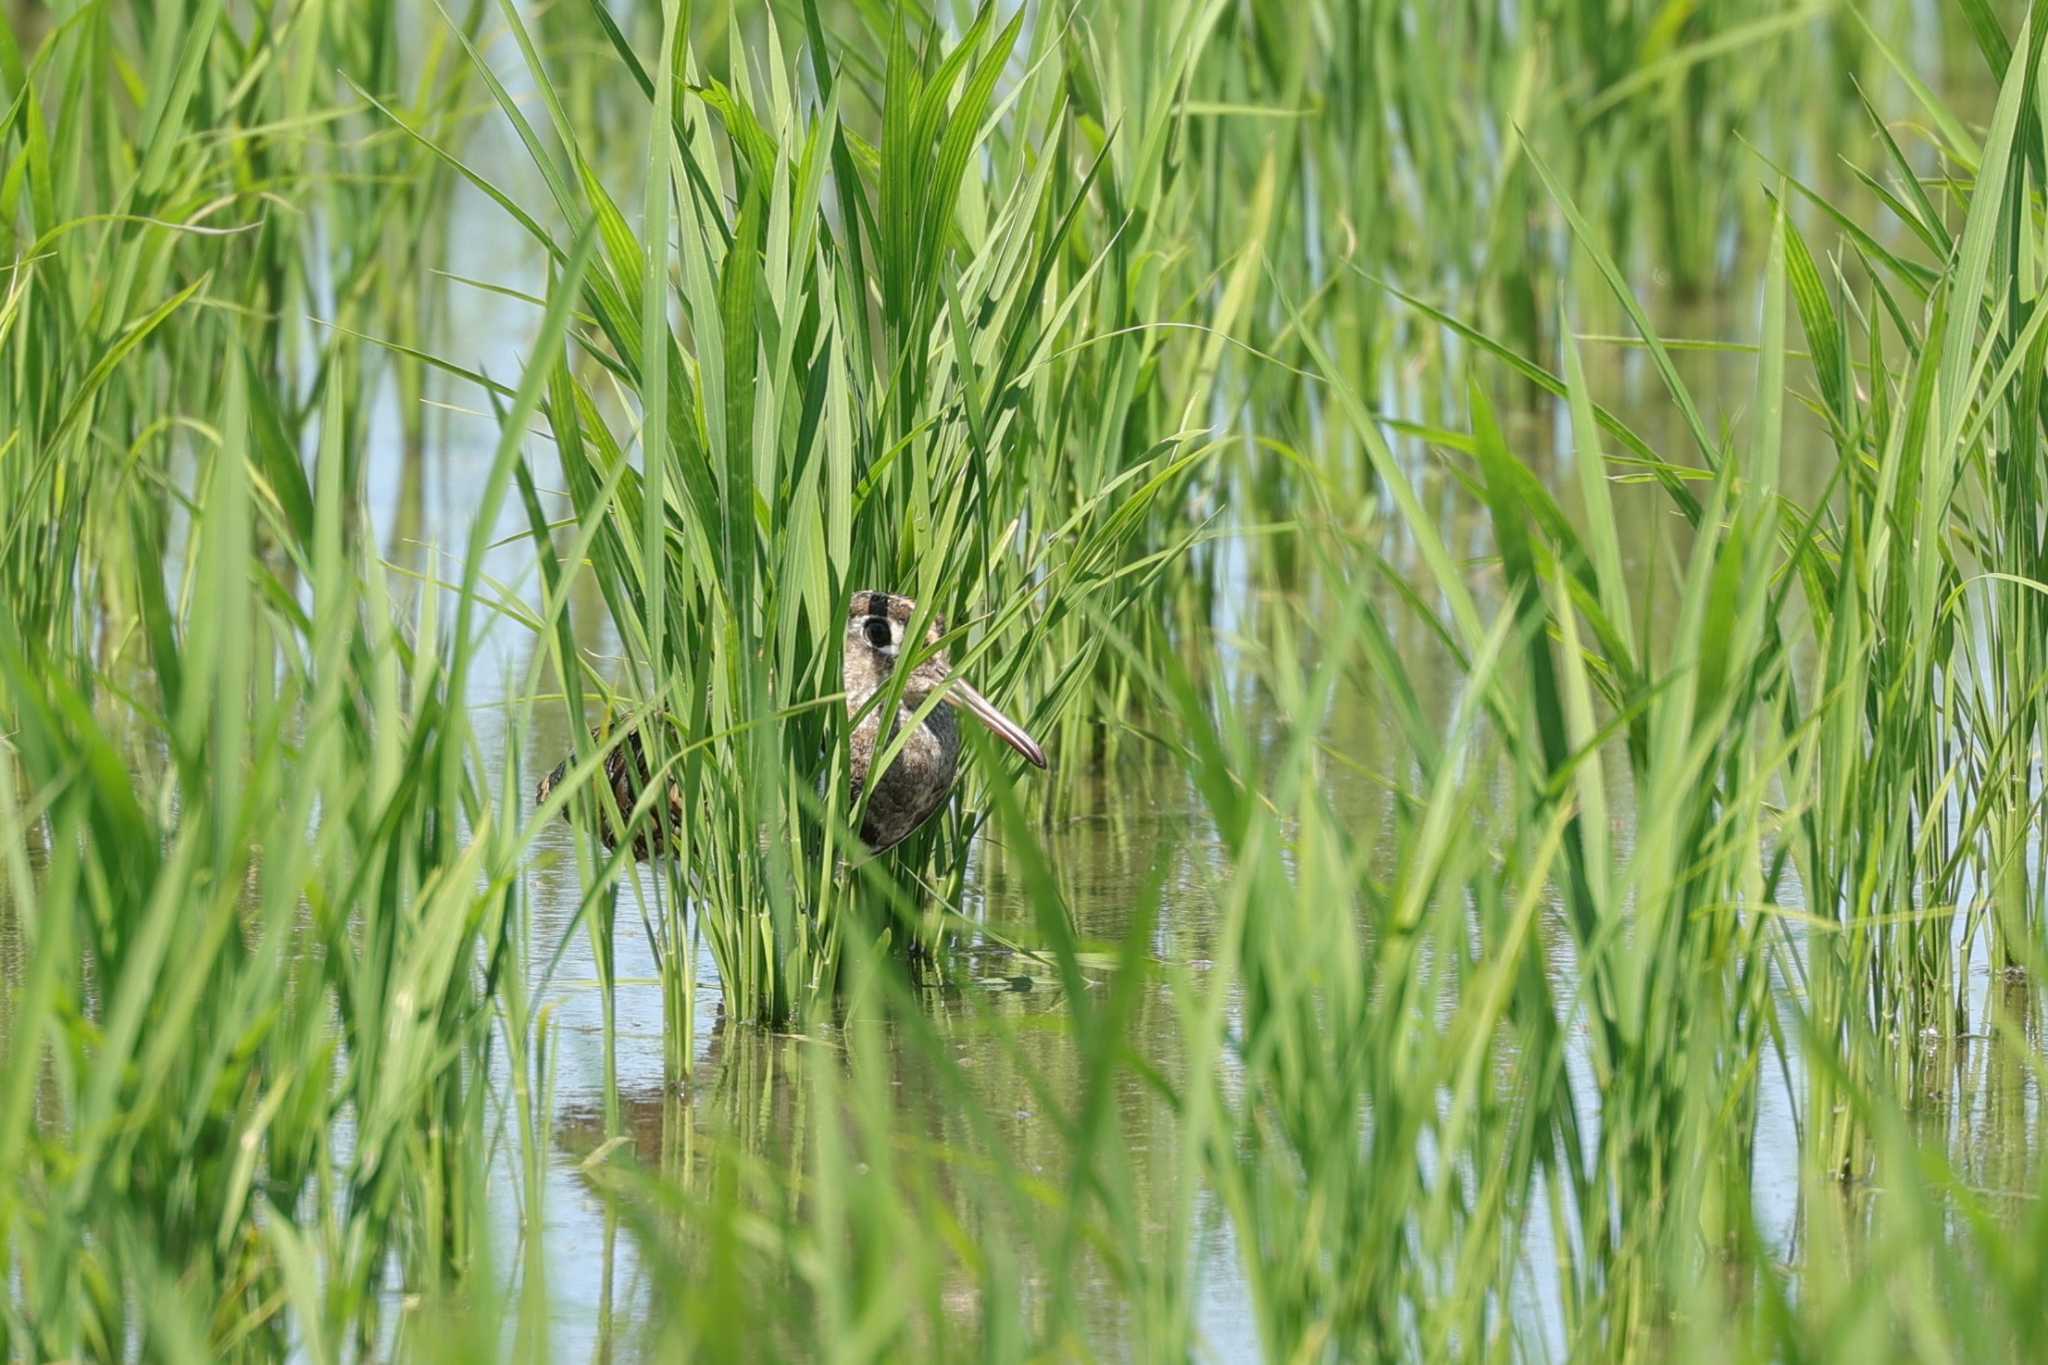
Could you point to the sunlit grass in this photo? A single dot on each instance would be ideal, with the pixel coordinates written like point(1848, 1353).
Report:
point(1172, 355)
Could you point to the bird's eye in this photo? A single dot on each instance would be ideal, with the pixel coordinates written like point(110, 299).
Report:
point(878, 631)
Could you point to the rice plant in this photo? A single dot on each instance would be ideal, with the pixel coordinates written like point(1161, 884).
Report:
point(1539, 858)
point(856, 401)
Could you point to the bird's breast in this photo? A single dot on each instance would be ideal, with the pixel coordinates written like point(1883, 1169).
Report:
point(916, 782)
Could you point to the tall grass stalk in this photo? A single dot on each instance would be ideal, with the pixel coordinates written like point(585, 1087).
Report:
point(1171, 355)
point(858, 392)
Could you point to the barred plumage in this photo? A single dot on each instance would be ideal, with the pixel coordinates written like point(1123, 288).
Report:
point(626, 773)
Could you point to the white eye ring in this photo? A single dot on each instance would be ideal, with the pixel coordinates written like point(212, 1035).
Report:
point(879, 633)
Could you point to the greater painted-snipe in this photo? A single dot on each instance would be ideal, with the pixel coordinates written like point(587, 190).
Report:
point(916, 783)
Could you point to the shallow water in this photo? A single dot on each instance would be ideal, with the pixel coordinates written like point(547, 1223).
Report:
point(750, 1090)
point(1138, 828)
point(1132, 830)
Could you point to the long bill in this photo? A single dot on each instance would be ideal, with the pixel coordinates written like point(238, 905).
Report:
point(984, 710)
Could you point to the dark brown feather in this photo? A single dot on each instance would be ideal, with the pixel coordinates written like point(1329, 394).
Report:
point(626, 772)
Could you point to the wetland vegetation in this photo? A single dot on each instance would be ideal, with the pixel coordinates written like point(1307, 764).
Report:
point(1519, 526)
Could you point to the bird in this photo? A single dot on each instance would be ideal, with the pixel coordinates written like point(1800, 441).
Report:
point(917, 781)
